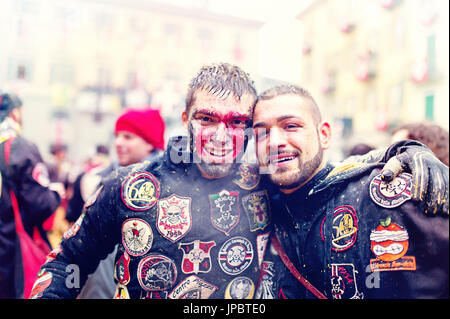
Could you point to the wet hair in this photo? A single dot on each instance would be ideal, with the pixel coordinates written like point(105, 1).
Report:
point(285, 89)
point(430, 134)
point(220, 80)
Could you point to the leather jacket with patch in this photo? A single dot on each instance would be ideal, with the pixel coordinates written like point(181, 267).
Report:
point(352, 236)
point(26, 176)
point(180, 235)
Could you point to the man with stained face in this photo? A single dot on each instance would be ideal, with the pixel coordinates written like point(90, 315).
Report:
point(206, 221)
point(341, 231)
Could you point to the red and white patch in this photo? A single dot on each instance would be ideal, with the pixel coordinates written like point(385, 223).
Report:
point(392, 194)
point(156, 272)
point(196, 256)
point(137, 236)
point(40, 174)
point(174, 219)
point(42, 282)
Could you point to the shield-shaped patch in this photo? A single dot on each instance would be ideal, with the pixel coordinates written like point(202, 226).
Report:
point(225, 212)
point(196, 257)
point(174, 217)
point(256, 205)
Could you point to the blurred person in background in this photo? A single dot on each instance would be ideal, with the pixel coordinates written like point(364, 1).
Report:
point(139, 136)
point(24, 187)
point(430, 134)
point(360, 149)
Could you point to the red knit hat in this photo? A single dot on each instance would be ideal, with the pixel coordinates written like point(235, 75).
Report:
point(145, 123)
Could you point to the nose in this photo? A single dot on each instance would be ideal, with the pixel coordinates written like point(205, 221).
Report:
point(221, 134)
point(277, 139)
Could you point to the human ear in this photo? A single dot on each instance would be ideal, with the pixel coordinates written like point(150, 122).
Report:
point(325, 135)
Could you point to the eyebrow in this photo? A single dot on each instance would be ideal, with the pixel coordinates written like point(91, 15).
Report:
point(279, 119)
point(226, 117)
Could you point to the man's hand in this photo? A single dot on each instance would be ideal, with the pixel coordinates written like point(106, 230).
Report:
point(430, 175)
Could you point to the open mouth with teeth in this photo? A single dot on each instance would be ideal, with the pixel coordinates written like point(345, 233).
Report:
point(282, 159)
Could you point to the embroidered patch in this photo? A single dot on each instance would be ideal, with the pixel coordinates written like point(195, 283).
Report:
point(193, 288)
point(265, 282)
point(240, 288)
point(42, 282)
point(91, 200)
point(137, 236)
point(153, 294)
point(174, 219)
point(247, 176)
point(256, 205)
point(345, 228)
point(225, 211)
point(261, 245)
point(392, 194)
point(122, 269)
point(52, 255)
point(73, 230)
point(140, 191)
point(389, 242)
point(235, 255)
point(121, 292)
point(156, 272)
point(343, 282)
point(196, 256)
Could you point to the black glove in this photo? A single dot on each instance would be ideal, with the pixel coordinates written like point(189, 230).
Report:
point(430, 183)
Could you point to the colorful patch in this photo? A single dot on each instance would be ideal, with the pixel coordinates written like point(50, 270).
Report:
point(196, 257)
point(137, 236)
point(156, 272)
point(247, 176)
point(40, 174)
point(343, 282)
point(389, 242)
point(225, 211)
point(240, 288)
point(193, 288)
point(52, 255)
point(261, 245)
point(392, 194)
point(235, 255)
point(153, 294)
point(174, 219)
point(345, 228)
point(140, 191)
point(256, 205)
point(91, 200)
point(265, 283)
point(122, 269)
point(42, 282)
point(121, 292)
point(72, 231)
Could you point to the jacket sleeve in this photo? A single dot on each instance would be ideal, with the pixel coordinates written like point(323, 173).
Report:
point(31, 180)
point(92, 237)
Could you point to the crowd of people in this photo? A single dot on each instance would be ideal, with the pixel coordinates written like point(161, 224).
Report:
point(190, 218)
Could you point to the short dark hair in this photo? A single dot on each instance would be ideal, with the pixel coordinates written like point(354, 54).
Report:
point(220, 79)
point(285, 89)
point(8, 102)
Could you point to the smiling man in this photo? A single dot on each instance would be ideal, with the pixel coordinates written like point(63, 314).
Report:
point(341, 231)
point(193, 223)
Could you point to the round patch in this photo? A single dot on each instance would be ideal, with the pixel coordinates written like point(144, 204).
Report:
point(344, 228)
point(392, 194)
point(240, 288)
point(140, 191)
point(156, 272)
point(137, 236)
point(235, 255)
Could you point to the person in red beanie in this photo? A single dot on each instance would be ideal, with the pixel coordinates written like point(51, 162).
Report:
point(139, 134)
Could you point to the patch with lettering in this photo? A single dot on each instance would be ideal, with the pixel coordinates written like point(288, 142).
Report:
point(156, 272)
point(344, 228)
point(122, 269)
point(174, 219)
point(225, 211)
point(137, 236)
point(256, 205)
point(43, 280)
point(193, 287)
point(392, 194)
point(343, 282)
point(235, 255)
point(240, 288)
point(389, 242)
point(261, 245)
point(247, 176)
point(140, 191)
point(196, 256)
point(73, 230)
